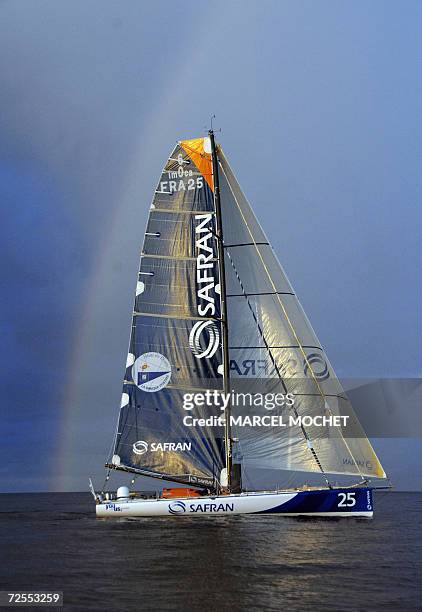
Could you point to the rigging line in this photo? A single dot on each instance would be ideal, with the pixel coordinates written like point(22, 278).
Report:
point(308, 440)
point(310, 369)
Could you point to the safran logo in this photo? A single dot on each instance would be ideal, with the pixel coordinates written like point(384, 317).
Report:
point(177, 507)
point(140, 447)
point(196, 335)
point(315, 365)
point(151, 372)
point(204, 338)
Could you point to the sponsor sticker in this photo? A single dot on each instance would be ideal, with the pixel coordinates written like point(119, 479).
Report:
point(141, 447)
point(204, 338)
point(151, 372)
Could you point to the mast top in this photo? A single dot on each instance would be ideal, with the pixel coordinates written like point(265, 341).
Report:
point(211, 118)
point(211, 129)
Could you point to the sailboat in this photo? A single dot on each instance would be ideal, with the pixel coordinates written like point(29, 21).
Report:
point(215, 317)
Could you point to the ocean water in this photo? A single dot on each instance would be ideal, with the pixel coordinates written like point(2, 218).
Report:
point(53, 541)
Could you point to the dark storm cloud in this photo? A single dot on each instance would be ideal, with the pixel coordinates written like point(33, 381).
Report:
point(320, 114)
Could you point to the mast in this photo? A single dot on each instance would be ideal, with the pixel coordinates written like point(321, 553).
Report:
point(220, 247)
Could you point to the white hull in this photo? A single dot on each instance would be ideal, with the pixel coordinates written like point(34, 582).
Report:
point(326, 502)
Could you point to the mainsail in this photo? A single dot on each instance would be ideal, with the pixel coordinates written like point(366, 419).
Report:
point(177, 307)
point(208, 312)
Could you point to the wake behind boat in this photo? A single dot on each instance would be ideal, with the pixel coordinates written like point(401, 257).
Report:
point(215, 318)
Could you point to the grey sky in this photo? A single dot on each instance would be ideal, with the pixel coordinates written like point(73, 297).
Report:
point(320, 110)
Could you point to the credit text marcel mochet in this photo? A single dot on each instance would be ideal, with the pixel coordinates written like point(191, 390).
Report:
point(269, 401)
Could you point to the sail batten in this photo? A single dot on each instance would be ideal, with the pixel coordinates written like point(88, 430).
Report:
point(164, 316)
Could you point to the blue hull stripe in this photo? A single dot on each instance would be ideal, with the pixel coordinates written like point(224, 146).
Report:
point(334, 500)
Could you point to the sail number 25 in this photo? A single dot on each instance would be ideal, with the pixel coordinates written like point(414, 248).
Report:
point(346, 499)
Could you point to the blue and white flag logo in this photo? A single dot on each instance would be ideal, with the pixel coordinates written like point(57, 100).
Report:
point(151, 372)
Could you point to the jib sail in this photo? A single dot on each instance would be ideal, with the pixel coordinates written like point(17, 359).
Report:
point(272, 341)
